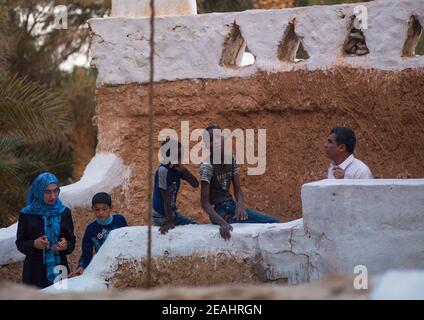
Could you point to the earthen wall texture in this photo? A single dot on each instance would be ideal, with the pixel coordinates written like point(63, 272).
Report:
point(298, 109)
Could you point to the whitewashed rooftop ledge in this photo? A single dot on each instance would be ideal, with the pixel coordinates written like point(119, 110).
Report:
point(375, 223)
point(141, 8)
point(104, 173)
point(200, 46)
point(8, 252)
point(247, 241)
point(398, 285)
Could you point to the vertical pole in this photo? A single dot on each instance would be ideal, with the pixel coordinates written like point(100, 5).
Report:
point(150, 141)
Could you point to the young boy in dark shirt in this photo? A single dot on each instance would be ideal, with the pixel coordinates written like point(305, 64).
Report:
point(98, 231)
point(167, 184)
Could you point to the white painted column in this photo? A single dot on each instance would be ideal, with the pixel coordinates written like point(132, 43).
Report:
point(141, 8)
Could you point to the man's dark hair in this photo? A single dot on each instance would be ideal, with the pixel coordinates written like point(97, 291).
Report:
point(345, 136)
point(103, 198)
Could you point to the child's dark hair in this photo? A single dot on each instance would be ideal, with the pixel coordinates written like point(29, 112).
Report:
point(172, 143)
point(210, 130)
point(103, 198)
point(212, 127)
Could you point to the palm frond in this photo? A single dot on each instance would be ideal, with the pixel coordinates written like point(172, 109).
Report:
point(29, 110)
point(33, 138)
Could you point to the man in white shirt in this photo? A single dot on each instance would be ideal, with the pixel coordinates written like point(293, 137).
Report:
point(339, 147)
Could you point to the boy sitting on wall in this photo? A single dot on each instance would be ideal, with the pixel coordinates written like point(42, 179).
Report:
point(166, 187)
point(216, 199)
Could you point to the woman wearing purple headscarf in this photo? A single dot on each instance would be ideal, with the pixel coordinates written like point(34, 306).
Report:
point(45, 233)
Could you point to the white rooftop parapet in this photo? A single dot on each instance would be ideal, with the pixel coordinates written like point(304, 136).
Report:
point(193, 46)
point(8, 251)
point(273, 242)
point(378, 224)
point(375, 223)
point(398, 285)
point(104, 173)
point(141, 8)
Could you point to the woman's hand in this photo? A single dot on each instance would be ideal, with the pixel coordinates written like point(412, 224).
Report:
point(41, 243)
point(79, 271)
point(61, 246)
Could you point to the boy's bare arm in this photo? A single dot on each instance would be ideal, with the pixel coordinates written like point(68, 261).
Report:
point(225, 228)
point(188, 176)
point(241, 213)
point(166, 195)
